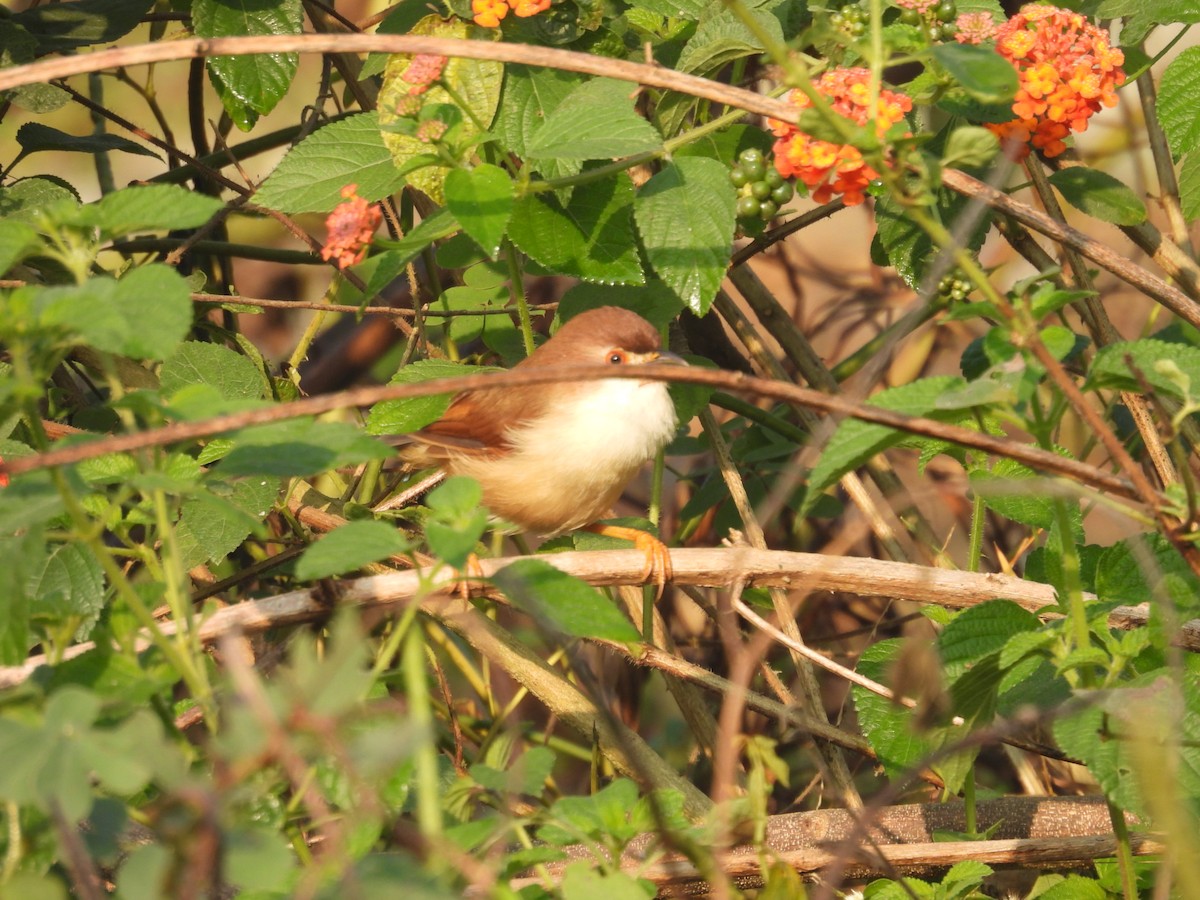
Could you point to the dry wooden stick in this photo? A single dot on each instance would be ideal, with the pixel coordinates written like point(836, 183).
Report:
point(710, 567)
point(1032, 832)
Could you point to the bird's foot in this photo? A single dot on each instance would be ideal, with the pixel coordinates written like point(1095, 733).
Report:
point(657, 570)
point(469, 576)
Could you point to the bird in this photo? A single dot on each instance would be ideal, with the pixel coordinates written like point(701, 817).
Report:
point(554, 458)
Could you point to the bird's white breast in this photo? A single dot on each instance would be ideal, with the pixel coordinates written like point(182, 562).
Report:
point(583, 458)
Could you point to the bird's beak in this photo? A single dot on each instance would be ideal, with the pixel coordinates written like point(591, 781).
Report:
point(669, 358)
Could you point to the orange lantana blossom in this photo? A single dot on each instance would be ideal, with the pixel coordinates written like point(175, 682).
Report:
point(1068, 70)
point(488, 13)
point(828, 168)
point(350, 228)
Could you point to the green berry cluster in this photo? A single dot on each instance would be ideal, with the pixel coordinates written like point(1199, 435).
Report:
point(761, 189)
point(851, 20)
point(938, 22)
point(954, 287)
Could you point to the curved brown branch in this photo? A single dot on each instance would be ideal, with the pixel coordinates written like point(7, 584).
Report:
point(1034, 457)
point(142, 54)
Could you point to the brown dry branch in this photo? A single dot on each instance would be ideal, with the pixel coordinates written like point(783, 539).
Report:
point(527, 54)
point(737, 382)
point(1103, 255)
point(1032, 832)
point(719, 567)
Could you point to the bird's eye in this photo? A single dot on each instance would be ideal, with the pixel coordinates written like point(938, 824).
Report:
point(616, 357)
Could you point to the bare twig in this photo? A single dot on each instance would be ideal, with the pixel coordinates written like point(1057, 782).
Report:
point(1034, 457)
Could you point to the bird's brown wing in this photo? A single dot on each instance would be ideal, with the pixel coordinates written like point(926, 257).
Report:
point(476, 424)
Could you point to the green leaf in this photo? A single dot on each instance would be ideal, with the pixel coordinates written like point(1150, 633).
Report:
point(591, 238)
point(457, 520)
point(475, 82)
point(1166, 366)
point(19, 555)
point(210, 529)
point(259, 859)
point(1140, 569)
point(152, 207)
point(884, 723)
point(1085, 735)
point(685, 216)
point(596, 120)
point(1075, 887)
point(1179, 102)
point(562, 602)
point(653, 301)
point(67, 587)
point(982, 72)
point(404, 416)
point(1099, 194)
point(1143, 16)
point(970, 146)
point(482, 200)
point(233, 375)
point(349, 151)
point(583, 881)
point(980, 631)
point(530, 96)
point(721, 37)
point(856, 441)
point(144, 315)
point(59, 26)
point(26, 199)
point(350, 547)
point(1012, 490)
point(1189, 187)
point(300, 447)
point(391, 263)
point(34, 137)
point(250, 84)
point(17, 240)
point(902, 243)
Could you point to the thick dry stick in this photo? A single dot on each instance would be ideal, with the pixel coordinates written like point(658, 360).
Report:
point(707, 567)
point(1031, 832)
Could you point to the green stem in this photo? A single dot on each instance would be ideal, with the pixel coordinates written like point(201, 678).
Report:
point(1129, 889)
point(516, 290)
point(759, 416)
point(978, 517)
point(1072, 584)
point(420, 715)
point(969, 805)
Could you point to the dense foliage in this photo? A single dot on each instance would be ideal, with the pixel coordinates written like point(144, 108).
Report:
point(175, 503)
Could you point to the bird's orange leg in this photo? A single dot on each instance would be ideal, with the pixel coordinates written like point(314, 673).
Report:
point(658, 560)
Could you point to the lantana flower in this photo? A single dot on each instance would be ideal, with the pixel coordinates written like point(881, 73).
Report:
point(974, 28)
point(1067, 68)
point(350, 228)
point(488, 13)
point(829, 168)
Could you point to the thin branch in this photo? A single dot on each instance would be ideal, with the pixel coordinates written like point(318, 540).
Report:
point(163, 51)
point(737, 382)
point(1169, 296)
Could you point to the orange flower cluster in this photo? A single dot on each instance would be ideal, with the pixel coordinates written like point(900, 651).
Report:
point(350, 228)
point(827, 168)
point(1068, 70)
point(488, 13)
